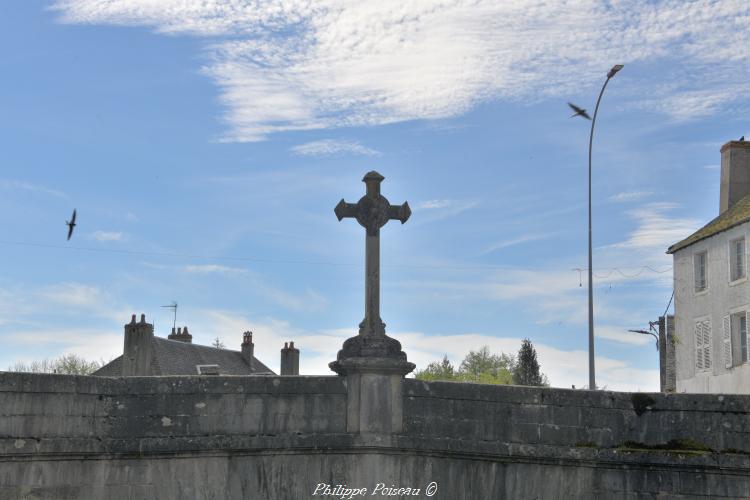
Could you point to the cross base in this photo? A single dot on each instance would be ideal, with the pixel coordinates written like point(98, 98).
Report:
point(371, 345)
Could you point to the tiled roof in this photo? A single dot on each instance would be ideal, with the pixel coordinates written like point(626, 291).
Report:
point(172, 357)
point(735, 215)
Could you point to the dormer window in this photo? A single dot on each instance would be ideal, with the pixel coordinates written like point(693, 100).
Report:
point(700, 261)
point(737, 259)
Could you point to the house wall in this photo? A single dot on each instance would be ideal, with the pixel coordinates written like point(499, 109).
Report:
point(721, 299)
point(280, 437)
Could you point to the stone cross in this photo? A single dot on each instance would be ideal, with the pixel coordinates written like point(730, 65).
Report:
point(372, 212)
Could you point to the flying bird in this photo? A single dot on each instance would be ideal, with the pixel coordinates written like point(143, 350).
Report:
point(578, 111)
point(71, 224)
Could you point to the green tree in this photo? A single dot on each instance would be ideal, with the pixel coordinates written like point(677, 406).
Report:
point(527, 370)
point(481, 364)
point(68, 364)
point(438, 370)
point(478, 366)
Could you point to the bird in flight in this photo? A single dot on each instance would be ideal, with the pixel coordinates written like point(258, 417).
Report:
point(578, 111)
point(71, 224)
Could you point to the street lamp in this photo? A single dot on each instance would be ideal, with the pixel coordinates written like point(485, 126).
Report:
point(592, 377)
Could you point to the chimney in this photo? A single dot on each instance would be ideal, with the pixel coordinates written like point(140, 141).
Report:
point(289, 359)
point(182, 335)
point(735, 173)
point(248, 348)
point(136, 356)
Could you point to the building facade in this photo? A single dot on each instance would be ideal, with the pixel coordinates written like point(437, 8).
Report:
point(711, 295)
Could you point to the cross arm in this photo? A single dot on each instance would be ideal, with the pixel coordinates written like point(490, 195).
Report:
point(399, 212)
point(344, 209)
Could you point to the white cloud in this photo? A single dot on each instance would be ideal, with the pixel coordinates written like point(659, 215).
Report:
point(434, 210)
point(107, 236)
point(318, 348)
point(213, 268)
point(73, 294)
point(90, 344)
point(514, 241)
point(432, 204)
point(655, 229)
point(623, 335)
point(630, 196)
point(563, 367)
point(309, 300)
point(32, 188)
point(330, 147)
point(296, 65)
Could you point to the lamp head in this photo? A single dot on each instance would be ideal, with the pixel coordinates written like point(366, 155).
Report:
point(614, 70)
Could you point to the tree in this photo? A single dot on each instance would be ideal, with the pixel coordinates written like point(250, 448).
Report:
point(527, 370)
point(478, 366)
point(218, 344)
point(438, 370)
point(481, 364)
point(68, 364)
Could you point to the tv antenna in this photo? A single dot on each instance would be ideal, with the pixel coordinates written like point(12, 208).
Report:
point(173, 305)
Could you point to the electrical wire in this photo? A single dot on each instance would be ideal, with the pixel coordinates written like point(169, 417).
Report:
point(618, 270)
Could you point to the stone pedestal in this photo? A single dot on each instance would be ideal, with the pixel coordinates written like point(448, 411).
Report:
point(375, 397)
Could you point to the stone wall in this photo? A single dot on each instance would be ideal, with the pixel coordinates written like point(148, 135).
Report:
point(576, 418)
point(279, 438)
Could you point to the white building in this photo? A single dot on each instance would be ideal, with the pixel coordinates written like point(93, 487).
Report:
point(711, 298)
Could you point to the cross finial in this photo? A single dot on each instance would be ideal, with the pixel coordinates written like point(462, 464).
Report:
point(372, 212)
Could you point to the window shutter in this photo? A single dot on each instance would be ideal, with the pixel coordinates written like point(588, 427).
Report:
point(707, 345)
point(727, 344)
point(699, 345)
point(697, 272)
point(747, 333)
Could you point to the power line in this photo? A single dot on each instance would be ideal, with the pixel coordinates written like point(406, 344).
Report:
point(304, 262)
point(669, 304)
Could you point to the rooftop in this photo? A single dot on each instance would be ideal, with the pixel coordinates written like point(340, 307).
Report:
point(172, 357)
point(734, 216)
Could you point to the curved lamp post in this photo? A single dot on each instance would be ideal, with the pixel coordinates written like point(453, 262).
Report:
point(592, 377)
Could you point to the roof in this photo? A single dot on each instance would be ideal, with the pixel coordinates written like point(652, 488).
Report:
point(734, 216)
point(173, 357)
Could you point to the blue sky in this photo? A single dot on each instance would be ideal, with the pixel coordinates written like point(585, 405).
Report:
point(205, 144)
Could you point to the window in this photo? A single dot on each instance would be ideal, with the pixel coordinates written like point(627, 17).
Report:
point(207, 369)
point(742, 332)
point(700, 260)
point(734, 339)
point(703, 345)
point(736, 259)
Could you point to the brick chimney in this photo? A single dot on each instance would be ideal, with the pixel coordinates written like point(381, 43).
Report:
point(248, 348)
point(735, 173)
point(182, 335)
point(289, 359)
point(136, 356)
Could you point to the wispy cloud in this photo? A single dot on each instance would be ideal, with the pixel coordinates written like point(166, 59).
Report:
point(107, 236)
point(309, 300)
point(564, 367)
point(655, 229)
point(213, 268)
point(74, 294)
point(434, 210)
point(31, 188)
point(630, 196)
point(514, 241)
point(432, 204)
point(292, 65)
point(330, 147)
